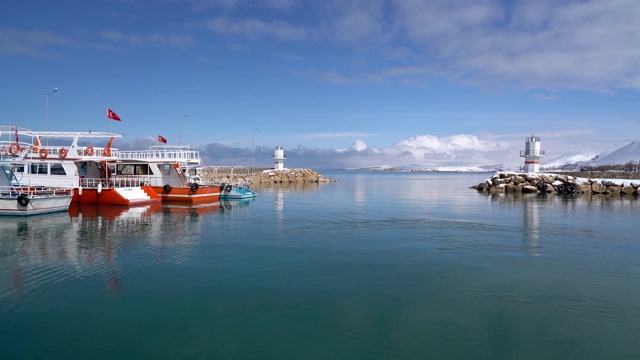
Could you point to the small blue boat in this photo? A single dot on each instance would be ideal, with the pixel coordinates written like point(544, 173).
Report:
point(235, 192)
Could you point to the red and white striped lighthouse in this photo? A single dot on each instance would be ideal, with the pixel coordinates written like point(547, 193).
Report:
point(532, 154)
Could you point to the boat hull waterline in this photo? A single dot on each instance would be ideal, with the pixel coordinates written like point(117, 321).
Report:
point(203, 194)
point(35, 205)
point(115, 196)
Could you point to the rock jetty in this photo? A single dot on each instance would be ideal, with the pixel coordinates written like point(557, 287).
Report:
point(555, 184)
point(276, 177)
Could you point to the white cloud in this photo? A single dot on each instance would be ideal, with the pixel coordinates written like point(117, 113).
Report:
point(358, 146)
point(568, 45)
point(422, 146)
point(32, 42)
point(256, 28)
point(174, 41)
point(355, 21)
point(589, 44)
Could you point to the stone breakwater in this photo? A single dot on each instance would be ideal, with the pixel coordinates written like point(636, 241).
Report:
point(556, 183)
point(276, 177)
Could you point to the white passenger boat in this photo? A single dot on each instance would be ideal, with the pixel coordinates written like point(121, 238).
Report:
point(19, 200)
point(85, 169)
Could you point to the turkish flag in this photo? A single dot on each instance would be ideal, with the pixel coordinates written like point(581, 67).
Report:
point(161, 139)
point(112, 115)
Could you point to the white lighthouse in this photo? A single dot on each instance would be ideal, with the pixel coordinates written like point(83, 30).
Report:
point(532, 154)
point(279, 157)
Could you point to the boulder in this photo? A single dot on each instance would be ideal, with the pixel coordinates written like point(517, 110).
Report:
point(613, 190)
point(627, 190)
point(511, 188)
point(598, 188)
point(584, 188)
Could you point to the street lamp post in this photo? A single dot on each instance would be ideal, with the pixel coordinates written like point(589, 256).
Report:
point(253, 164)
point(180, 119)
point(46, 125)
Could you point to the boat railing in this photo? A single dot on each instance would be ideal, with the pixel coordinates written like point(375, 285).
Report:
point(116, 181)
point(47, 180)
point(9, 150)
point(159, 181)
point(33, 191)
point(176, 155)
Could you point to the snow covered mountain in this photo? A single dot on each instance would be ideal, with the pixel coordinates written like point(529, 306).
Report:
point(623, 155)
point(612, 156)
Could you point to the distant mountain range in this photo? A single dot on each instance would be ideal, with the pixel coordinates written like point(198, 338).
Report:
point(615, 155)
point(612, 156)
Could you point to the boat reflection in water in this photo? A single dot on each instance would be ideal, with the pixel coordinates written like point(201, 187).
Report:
point(140, 213)
point(233, 205)
point(95, 243)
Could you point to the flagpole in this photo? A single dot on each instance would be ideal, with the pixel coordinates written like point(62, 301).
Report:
point(107, 119)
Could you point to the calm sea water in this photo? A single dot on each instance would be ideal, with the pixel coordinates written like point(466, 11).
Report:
point(376, 266)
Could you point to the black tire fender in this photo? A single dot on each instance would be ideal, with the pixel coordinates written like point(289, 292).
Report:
point(23, 200)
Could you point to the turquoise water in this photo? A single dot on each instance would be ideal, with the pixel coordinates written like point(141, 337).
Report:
point(376, 266)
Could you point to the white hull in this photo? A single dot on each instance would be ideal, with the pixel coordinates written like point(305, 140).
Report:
point(9, 206)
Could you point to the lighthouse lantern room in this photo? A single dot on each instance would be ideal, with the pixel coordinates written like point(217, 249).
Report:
point(532, 154)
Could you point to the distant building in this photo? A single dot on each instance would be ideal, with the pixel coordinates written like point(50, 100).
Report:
point(532, 154)
point(279, 157)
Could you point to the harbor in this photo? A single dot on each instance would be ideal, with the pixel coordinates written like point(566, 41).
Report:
point(435, 269)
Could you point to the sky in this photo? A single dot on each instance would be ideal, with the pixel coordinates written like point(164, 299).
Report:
point(338, 84)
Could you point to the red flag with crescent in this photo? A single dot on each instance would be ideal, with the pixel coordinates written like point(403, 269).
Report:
point(112, 115)
point(161, 139)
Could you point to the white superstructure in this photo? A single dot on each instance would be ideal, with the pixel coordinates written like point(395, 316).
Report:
point(279, 157)
point(532, 154)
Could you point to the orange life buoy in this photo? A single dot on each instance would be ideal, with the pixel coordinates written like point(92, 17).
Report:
point(43, 152)
point(89, 151)
point(62, 153)
point(14, 148)
point(107, 151)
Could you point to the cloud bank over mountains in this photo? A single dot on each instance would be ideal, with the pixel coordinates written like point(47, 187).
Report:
point(425, 151)
point(420, 151)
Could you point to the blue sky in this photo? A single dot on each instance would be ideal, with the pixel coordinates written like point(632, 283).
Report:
point(336, 83)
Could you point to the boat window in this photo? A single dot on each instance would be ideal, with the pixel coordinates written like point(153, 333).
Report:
point(18, 168)
point(125, 169)
point(166, 169)
point(133, 169)
point(57, 169)
point(39, 168)
point(142, 169)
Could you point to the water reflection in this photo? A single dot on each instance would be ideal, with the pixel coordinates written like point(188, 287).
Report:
point(288, 187)
point(90, 240)
point(541, 212)
point(235, 205)
point(591, 201)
